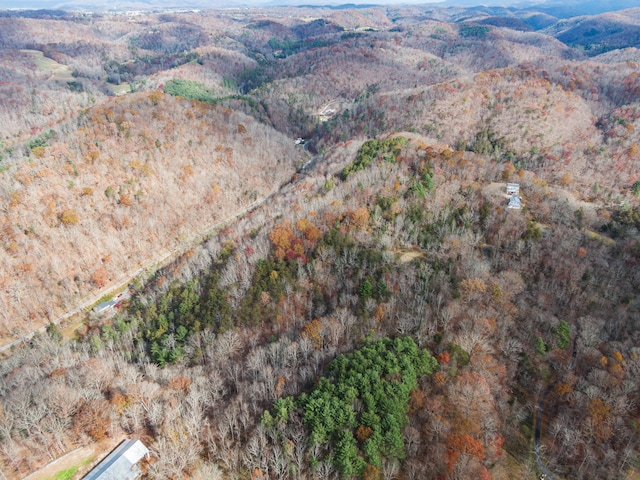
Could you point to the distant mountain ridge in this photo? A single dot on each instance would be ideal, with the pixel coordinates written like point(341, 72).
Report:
point(591, 26)
point(560, 9)
point(580, 7)
point(101, 5)
point(550, 7)
point(600, 33)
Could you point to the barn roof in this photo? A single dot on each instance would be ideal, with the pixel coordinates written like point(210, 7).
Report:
point(121, 463)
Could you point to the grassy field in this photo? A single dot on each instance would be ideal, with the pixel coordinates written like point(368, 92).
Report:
point(56, 70)
point(591, 235)
point(70, 472)
point(121, 89)
point(68, 467)
point(66, 474)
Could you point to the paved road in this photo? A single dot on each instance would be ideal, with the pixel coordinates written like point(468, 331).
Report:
point(130, 276)
point(536, 438)
point(84, 305)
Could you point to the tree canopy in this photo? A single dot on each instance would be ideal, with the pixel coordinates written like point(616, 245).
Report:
point(360, 406)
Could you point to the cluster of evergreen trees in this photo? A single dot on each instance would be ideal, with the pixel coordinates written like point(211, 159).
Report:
point(357, 411)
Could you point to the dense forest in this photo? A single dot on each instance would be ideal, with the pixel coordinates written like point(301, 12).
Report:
point(309, 209)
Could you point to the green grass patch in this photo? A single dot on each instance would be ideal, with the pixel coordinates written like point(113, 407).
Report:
point(121, 89)
point(66, 474)
point(189, 89)
point(45, 64)
point(591, 235)
point(105, 298)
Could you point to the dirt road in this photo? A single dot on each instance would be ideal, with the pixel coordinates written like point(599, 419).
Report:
point(152, 265)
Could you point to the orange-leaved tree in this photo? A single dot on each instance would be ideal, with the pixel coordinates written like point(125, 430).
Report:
point(463, 444)
point(100, 277)
point(93, 418)
point(281, 237)
point(600, 413)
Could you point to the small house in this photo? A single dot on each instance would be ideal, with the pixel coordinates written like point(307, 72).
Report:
point(515, 202)
point(120, 464)
point(513, 189)
point(104, 306)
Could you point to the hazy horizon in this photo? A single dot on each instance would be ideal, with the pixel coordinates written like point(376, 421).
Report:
point(58, 4)
point(558, 8)
point(150, 4)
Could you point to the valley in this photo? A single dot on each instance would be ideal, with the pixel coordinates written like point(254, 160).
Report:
point(325, 274)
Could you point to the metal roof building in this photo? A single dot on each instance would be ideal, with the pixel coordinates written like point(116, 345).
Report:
point(513, 189)
point(514, 202)
point(121, 464)
point(104, 306)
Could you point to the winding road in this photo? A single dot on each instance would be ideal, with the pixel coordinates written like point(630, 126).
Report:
point(156, 262)
point(131, 275)
point(536, 439)
point(540, 409)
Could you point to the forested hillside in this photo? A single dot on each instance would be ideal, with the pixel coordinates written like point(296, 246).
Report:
point(121, 183)
point(374, 309)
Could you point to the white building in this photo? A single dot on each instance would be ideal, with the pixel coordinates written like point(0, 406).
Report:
point(515, 202)
point(121, 464)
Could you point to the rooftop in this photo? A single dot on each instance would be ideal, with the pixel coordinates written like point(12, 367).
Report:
point(515, 202)
point(513, 188)
point(121, 464)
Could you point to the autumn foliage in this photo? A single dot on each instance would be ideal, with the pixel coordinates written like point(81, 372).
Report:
point(285, 243)
point(285, 331)
point(100, 277)
point(93, 418)
point(463, 444)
